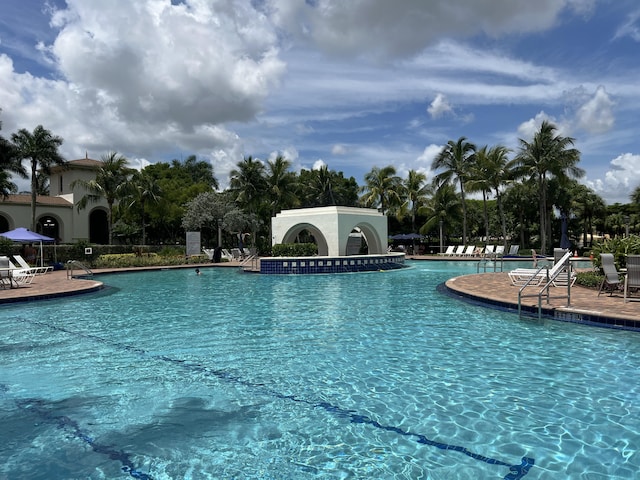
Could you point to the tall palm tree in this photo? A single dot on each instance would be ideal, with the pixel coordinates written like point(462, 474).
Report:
point(143, 188)
point(546, 156)
point(456, 158)
point(41, 149)
point(281, 185)
point(443, 210)
point(416, 192)
point(587, 204)
point(382, 188)
point(248, 184)
point(111, 183)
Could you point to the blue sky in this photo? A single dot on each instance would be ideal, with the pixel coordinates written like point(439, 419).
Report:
point(352, 85)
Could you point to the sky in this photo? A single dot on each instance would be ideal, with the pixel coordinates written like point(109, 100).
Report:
point(351, 85)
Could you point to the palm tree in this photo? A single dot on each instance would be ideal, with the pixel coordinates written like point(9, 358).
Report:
point(281, 185)
point(587, 204)
point(442, 211)
point(415, 192)
point(382, 188)
point(548, 155)
point(9, 164)
point(143, 188)
point(248, 184)
point(41, 149)
point(111, 183)
point(456, 158)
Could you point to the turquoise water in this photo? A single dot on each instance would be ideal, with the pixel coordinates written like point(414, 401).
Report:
point(169, 375)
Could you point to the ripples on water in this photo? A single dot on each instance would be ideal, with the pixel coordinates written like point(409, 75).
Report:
point(229, 375)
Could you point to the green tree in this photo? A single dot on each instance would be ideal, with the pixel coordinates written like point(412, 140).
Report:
point(248, 183)
point(443, 209)
point(587, 205)
point(546, 156)
point(281, 185)
point(382, 189)
point(142, 190)
point(111, 183)
point(456, 160)
point(415, 193)
point(322, 187)
point(41, 149)
point(9, 164)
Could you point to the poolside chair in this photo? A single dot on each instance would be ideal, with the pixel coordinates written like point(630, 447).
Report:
point(539, 276)
point(468, 252)
point(499, 251)
point(209, 252)
point(21, 276)
point(632, 278)
point(611, 280)
point(478, 251)
point(513, 250)
point(459, 251)
point(449, 251)
point(490, 250)
point(5, 272)
point(35, 270)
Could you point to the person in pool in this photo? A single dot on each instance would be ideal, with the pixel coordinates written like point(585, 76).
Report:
point(197, 271)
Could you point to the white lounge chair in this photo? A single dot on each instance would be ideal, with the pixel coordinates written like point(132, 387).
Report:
point(538, 276)
point(35, 270)
point(499, 251)
point(489, 250)
point(21, 276)
point(459, 251)
point(478, 252)
point(450, 251)
point(513, 250)
point(469, 250)
point(209, 252)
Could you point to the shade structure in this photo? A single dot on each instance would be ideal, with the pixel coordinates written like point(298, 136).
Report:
point(24, 235)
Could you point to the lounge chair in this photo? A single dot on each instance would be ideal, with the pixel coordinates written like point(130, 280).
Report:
point(459, 251)
point(35, 270)
point(21, 276)
point(449, 251)
point(490, 250)
point(468, 252)
point(5, 273)
point(499, 251)
point(209, 252)
point(478, 251)
point(632, 278)
point(513, 250)
point(611, 280)
point(538, 276)
point(227, 254)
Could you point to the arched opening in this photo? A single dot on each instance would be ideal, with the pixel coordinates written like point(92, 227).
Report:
point(98, 227)
point(4, 224)
point(50, 227)
point(307, 233)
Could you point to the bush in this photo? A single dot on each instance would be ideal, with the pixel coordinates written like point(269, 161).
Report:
point(295, 250)
point(589, 279)
point(619, 246)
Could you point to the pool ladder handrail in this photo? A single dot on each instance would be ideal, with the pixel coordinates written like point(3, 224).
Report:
point(490, 259)
point(250, 264)
point(544, 291)
point(80, 265)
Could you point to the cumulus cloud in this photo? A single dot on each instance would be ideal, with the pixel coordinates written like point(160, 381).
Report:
point(440, 106)
point(596, 115)
point(622, 177)
point(318, 164)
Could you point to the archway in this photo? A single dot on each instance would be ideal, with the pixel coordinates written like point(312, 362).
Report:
point(49, 226)
point(4, 224)
point(292, 235)
point(98, 227)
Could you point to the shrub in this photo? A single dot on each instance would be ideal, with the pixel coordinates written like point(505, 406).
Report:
point(589, 279)
point(295, 250)
point(619, 246)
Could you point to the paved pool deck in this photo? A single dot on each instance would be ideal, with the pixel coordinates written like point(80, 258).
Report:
point(492, 289)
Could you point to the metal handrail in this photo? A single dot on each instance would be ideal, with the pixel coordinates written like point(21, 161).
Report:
point(550, 279)
point(72, 263)
point(484, 261)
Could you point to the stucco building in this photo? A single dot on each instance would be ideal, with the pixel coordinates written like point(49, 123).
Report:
point(57, 215)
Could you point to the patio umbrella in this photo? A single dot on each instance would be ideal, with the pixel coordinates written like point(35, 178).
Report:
point(25, 235)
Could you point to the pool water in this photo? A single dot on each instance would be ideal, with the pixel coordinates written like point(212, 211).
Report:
point(170, 375)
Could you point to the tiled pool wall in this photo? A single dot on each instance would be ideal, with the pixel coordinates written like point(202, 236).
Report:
point(346, 264)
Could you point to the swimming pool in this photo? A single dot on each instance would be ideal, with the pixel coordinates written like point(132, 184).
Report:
point(170, 375)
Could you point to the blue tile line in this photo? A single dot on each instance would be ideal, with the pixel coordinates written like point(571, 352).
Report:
point(39, 408)
point(516, 472)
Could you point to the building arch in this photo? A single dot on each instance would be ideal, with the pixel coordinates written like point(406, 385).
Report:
point(332, 227)
point(6, 222)
point(99, 226)
point(50, 225)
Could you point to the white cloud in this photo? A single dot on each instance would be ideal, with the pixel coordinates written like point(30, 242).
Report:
point(404, 27)
point(318, 164)
point(339, 149)
point(596, 115)
point(630, 28)
point(620, 180)
point(440, 106)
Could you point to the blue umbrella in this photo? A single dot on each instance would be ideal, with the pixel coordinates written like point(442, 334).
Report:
point(27, 236)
